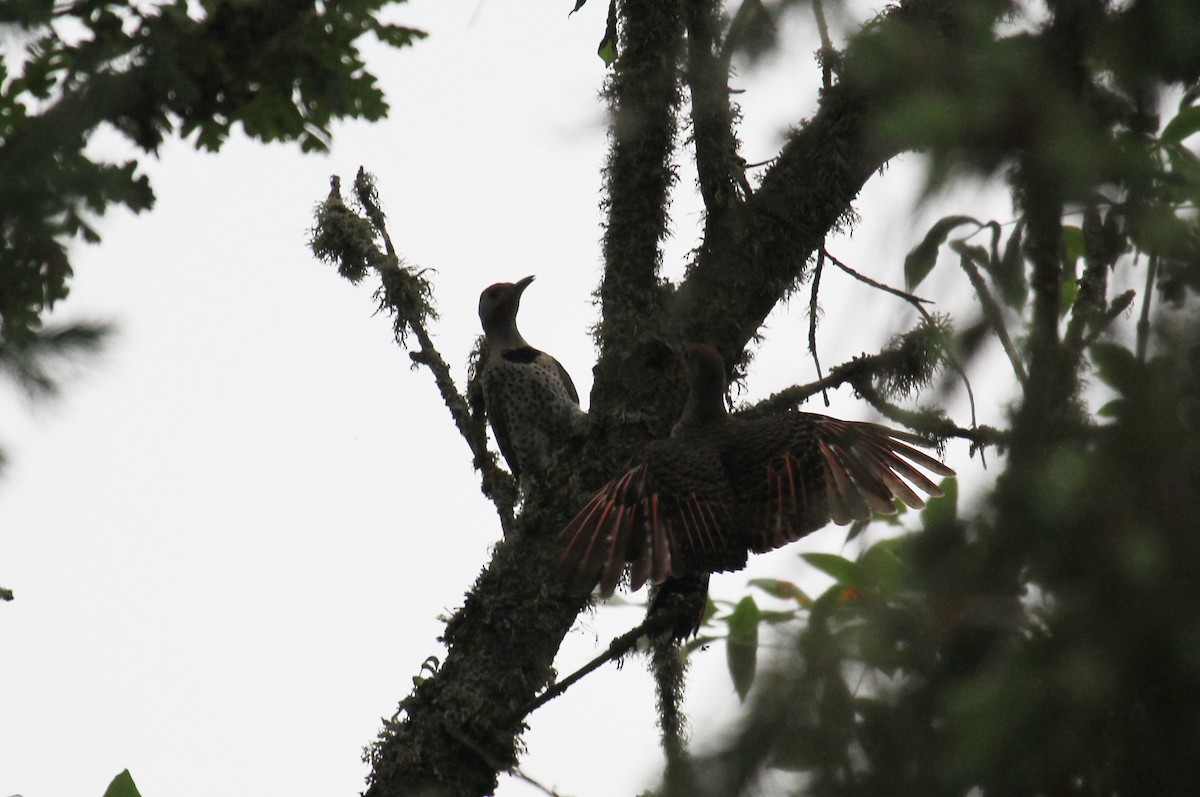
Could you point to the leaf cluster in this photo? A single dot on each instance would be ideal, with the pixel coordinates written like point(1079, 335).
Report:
point(282, 71)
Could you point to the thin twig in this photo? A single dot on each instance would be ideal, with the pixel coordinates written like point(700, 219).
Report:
point(917, 303)
point(995, 317)
point(812, 318)
point(616, 649)
point(519, 774)
point(1143, 324)
point(513, 770)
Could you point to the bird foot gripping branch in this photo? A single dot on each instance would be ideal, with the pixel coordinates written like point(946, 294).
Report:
point(722, 487)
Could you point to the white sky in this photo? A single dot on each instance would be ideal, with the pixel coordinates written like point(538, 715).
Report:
point(231, 539)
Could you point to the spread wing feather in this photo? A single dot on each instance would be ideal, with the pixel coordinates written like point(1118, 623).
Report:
point(667, 513)
point(813, 469)
point(692, 505)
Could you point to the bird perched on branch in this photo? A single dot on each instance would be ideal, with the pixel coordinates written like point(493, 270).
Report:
point(721, 487)
point(530, 399)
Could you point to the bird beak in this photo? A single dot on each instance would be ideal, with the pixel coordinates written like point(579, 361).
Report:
point(521, 285)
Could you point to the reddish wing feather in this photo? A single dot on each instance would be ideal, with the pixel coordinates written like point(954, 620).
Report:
point(675, 513)
point(657, 517)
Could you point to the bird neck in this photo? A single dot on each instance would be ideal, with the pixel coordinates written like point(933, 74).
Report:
point(505, 336)
point(703, 408)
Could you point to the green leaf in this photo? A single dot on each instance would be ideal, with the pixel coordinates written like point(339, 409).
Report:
point(122, 786)
point(857, 528)
point(842, 569)
point(883, 570)
point(941, 512)
point(777, 617)
point(741, 648)
point(976, 254)
point(608, 45)
point(1117, 367)
point(607, 51)
point(1183, 161)
point(752, 31)
point(1073, 244)
point(1066, 295)
point(1009, 271)
point(578, 5)
point(919, 262)
point(781, 589)
point(1074, 247)
point(1185, 123)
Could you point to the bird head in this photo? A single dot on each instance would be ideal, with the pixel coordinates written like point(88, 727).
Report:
point(498, 305)
point(705, 368)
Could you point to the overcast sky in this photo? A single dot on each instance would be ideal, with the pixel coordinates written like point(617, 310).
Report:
point(232, 539)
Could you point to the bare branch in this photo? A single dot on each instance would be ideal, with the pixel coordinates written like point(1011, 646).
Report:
point(827, 52)
point(1143, 324)
point(519, 774)
point(720, 169)
point(616, 649)
point(915, 301)
point(812, 317)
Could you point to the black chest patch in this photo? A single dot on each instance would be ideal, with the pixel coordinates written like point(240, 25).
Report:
point(524, 355)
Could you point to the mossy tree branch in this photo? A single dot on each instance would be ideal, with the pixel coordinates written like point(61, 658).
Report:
point(863, 374)
point(342, 237)
point(720, 169)
point(643, 95)
point(762, 249)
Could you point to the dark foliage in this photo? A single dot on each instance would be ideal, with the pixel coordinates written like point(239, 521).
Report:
point(282, 71)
